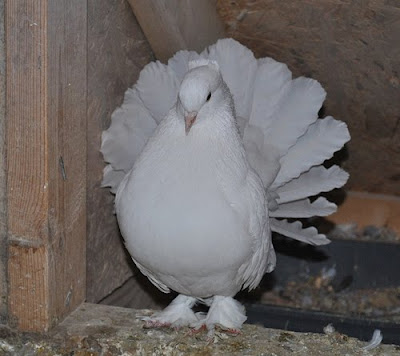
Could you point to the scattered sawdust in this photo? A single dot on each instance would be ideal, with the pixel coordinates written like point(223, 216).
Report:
point(104, 330)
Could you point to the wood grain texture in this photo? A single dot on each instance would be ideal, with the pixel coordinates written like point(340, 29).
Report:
point(352, 48)
point(117, 51)
point(26, 30)
point(174, 25)
point(29, 288)
point(46, 159)
point(3, 206)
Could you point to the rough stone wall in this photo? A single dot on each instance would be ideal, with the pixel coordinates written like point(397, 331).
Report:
point(353, 49)
point(3, 227)
point(117, 51)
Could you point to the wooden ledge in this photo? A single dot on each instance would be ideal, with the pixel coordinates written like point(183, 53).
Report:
point(369, 209)
point(106, 330)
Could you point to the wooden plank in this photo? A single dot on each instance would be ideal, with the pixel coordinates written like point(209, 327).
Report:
point(174, 25)
point(111, 26)
point(3, 210)
point(46, 159)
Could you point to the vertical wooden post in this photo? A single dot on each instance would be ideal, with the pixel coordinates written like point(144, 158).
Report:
point(3, 216)
point(46, 159)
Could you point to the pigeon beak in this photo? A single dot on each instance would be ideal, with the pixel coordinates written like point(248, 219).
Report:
point(190, 118)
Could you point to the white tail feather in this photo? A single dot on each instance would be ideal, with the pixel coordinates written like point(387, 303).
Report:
point(179, 63)
point(321, 141)
point(304, 209)
point(238, 68)
point(298, 108)
point(316, 180)
point(158, 88)
point(271, 79)
point(131, 126)
point(295, 230)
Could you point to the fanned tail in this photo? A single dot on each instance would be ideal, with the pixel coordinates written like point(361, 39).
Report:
point(285, 142)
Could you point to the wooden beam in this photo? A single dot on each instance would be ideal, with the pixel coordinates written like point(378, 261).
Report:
point(46, 159)
point(3, 215)
point(174, 25)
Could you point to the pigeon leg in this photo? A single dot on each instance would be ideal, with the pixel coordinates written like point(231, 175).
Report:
point(178, 314)
point(226, 313)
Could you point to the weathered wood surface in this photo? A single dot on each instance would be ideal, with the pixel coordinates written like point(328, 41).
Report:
point(104, 330)
point(46, 159)
point(352, 48)
point(3, 215)
point(174, 25)
point(117, 51)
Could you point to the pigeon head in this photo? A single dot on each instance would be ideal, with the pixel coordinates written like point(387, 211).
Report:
point(202, 92)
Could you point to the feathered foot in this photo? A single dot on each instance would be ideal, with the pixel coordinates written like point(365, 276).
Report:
point(226, 313)
point(176, 315)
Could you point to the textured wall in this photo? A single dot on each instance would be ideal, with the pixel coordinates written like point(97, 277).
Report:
point(353, 49)
point(117, 51)
point(3, 231)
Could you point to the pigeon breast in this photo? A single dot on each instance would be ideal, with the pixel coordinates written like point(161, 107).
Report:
point(176, 211)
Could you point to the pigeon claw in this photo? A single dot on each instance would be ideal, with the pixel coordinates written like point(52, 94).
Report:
point(232, 331)
point(196, 330)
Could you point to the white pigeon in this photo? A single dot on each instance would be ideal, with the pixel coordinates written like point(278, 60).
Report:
point(206, 155)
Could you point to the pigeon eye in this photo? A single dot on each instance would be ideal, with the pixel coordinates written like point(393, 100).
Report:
point(209, 96)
